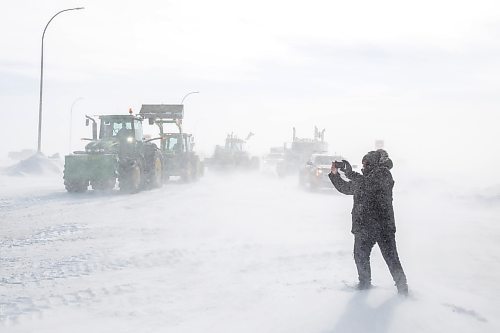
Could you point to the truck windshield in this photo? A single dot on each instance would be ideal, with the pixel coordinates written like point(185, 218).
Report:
point(324, 160)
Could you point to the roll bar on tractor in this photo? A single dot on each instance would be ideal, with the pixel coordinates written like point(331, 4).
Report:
point(161, 114)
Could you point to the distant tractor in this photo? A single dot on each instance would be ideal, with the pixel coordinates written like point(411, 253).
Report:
point(301, 149)
point(177, 147)
point(117, 152)
point(233, 155)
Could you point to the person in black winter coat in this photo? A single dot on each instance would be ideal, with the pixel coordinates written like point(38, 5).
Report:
point(372, 215)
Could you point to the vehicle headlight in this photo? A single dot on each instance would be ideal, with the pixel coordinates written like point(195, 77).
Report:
point(318, 172)
point(130, 139)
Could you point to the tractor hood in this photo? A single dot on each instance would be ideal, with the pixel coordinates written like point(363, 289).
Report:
point(102, 146)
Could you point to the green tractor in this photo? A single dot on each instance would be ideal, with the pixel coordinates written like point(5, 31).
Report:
point(177, 147)
point(233, 156)
point(117, 152)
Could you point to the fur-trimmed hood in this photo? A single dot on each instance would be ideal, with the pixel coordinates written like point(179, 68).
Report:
point(376, 158)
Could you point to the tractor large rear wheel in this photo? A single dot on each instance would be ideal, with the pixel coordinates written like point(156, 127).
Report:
point(187, 173)
point(156, 174)
point(195, 169)
point(201, 168)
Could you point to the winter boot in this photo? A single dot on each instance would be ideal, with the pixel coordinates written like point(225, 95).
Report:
point(402, 289)
point(363, 285)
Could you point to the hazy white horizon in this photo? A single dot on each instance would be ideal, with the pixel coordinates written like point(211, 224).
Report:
point(422, 76)
point(251, 251)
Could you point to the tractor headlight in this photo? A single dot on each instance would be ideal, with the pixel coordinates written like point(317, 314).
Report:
point(130, 139)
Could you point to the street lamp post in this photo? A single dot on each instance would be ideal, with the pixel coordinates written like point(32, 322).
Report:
point(189, 93)
point(192, 92)
point(71, 120)
point(39, 149)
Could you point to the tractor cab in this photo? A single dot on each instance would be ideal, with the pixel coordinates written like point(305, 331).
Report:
point(125, 127)
point(178, 143)
point(234, 144)
point(117, 133)
point(176, 146)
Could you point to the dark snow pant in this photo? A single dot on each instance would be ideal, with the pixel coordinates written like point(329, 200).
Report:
point(363, 245)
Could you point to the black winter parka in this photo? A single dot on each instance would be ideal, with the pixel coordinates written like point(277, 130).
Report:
point(372, 212)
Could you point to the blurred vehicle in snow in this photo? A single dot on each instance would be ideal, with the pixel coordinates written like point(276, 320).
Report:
point(271, 160)
point(177, 147)
point(299, 152)
point(314, 174)
point(233, 156)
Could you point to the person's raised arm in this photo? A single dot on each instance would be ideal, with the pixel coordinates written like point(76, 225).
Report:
point(341, 185)
point(349, 173)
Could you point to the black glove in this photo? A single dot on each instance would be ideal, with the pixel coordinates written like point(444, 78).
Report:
point(347, 167)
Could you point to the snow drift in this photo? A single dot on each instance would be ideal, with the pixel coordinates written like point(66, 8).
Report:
point(36, 165)
point(239, 253)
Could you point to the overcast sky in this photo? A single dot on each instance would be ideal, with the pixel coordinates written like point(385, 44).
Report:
point(422, 75)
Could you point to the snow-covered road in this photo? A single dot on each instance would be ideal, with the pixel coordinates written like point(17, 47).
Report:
point(243, 253)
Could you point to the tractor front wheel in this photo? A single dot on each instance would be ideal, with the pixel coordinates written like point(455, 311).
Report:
point(76, 186)
point(103, 185)
point(187, 173)
point(130, 178)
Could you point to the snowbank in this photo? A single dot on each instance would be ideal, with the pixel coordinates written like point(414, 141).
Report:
point(37, 164)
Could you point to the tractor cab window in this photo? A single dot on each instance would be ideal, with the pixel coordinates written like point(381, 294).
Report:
point(111, 129)
point(187, 143)
point(138, 130)
point(106, 129)
point(122, 129)
point(174, 144)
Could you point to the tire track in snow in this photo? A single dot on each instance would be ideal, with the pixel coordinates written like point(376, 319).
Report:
point(61, 232)
point(11, 310)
